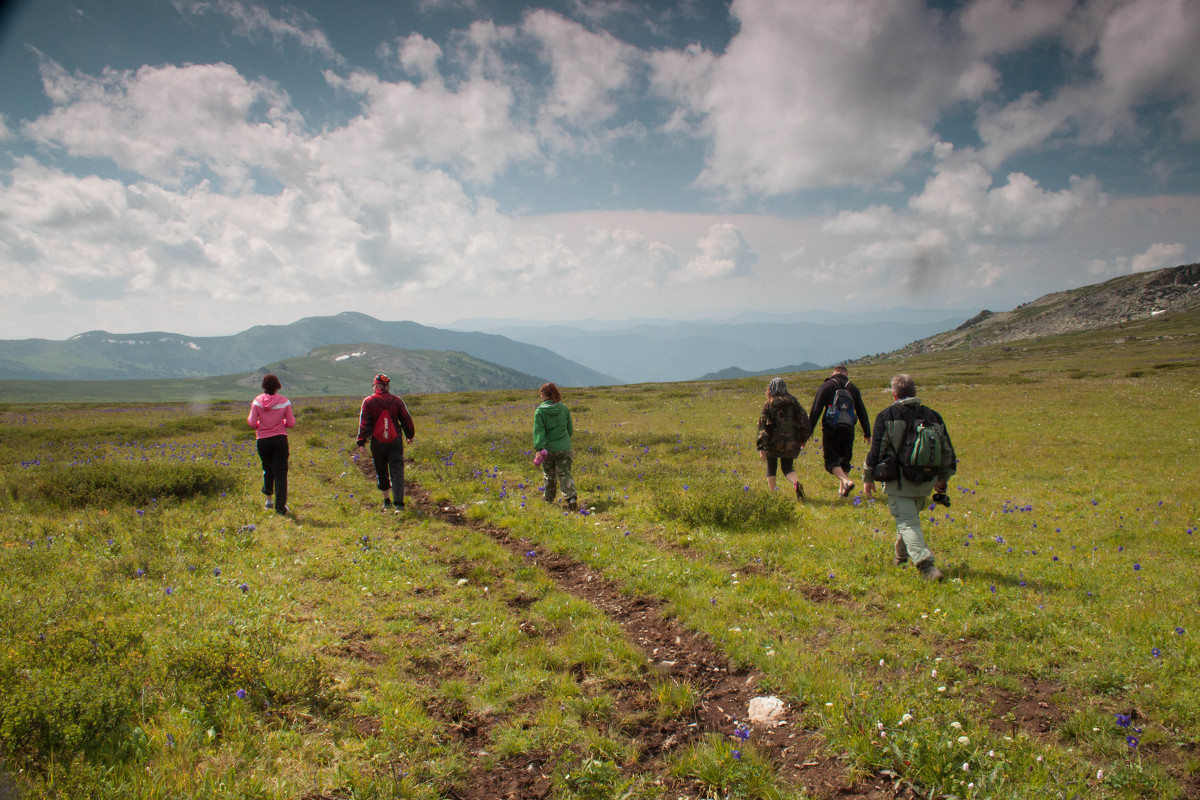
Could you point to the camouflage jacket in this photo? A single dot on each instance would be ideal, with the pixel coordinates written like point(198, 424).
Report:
point(782, 427)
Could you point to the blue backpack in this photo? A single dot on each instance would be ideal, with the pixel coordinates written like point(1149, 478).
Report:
point(840, 412)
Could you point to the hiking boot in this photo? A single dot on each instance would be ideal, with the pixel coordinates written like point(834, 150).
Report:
point(800, 491)
point(930, 573)
point(572, 504)
point(901, 556)
point(399, 507)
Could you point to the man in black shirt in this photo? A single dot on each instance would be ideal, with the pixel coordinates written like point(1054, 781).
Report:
point(837, 407)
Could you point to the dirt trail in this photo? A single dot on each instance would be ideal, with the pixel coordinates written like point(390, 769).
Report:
point(683, 655)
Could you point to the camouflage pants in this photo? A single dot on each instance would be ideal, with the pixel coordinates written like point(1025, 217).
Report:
point(557, 469)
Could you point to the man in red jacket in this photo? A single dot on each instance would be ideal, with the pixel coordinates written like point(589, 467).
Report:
point(382, 419)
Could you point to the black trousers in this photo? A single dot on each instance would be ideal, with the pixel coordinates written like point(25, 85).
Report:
point(389, 466)
point(273, 452)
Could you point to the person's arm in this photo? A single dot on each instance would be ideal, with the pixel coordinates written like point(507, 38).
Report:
point(803, 425)
point(253, 419)
point(406, 422)
point(366, 421)
point(539, 430)
point(820, 400)
point(289, 417)
point(763, 440)
point(949, 463)
point(861, 410)
point(874, 453)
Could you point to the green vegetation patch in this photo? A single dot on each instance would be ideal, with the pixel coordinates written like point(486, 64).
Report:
point(113, 483)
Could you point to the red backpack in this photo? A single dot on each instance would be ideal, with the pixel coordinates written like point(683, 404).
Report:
point(385, 428)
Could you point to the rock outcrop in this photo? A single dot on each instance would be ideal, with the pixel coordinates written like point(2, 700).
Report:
point(1123, 299)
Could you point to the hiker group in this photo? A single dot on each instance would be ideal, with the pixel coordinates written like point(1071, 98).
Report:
point(910, 449)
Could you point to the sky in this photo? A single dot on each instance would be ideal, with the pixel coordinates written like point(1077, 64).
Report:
point(202, 166)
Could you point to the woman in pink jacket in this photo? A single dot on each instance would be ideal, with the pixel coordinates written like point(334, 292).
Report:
point(271, 415)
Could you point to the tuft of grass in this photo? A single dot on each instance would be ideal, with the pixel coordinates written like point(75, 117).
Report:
point(724, 504)
point(110, 483)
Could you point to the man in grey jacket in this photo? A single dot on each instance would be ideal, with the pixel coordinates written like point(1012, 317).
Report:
point(907, 497)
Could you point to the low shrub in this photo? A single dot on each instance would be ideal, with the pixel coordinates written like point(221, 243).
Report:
point(725, 505)
point(112, 483)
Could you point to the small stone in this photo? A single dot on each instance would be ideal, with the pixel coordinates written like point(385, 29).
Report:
point(766, 710)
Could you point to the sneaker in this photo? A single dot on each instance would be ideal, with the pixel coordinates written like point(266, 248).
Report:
point(270, 504)
point(399, 508)
point(932, 574)
point(387, 504)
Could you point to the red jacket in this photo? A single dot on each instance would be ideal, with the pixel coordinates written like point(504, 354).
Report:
point(383, 402)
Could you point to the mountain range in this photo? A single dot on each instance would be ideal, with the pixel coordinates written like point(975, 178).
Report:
point(684, 351)
point(1143, 295)
point(99, 355)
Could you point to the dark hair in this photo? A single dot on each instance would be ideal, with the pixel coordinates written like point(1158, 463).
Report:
point(550, 392)
point(840, 368)
point(271, 384)
point(903, 386)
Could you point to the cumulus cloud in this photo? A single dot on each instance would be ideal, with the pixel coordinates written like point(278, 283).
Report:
point(588, 68)
point(174, 124)
point(1002, 26)
point(724, 253)
point(1135, 52)
point(252, 20)
point(811, 93)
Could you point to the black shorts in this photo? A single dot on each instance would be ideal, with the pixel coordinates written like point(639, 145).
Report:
point(772, 465)
point(838, 447)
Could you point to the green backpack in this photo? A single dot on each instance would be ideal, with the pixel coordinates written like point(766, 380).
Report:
point(921, 451)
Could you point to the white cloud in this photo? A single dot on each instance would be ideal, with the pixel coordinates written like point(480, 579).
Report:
point(724, 253)
point(469, 130)
point(1001, 26)
point(1158, 256)
point(172, 124)
point(252, 20)
point(415, 54)
point(588, 68)
point(1136, 52)
point(811, 93)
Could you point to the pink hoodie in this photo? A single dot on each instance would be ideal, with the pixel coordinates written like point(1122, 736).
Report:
point(271, 415)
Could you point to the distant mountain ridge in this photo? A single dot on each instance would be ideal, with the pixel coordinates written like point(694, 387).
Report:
point(1099, 305)
point(730, 373)
point(683, 351)
point(99, 355)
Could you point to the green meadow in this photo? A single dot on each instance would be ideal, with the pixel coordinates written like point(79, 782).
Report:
point(163, 636)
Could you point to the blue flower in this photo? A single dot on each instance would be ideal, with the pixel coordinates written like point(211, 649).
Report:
point(1179, 631)
point(1156, 652)
point(1123, 720)
point(1132, 741)
point(170, 590)
point(216, 572)
point(737, 754)
point(244, 587)
point(241, 694)
point(742, 733)
point(1136, 567)
point(170, 740)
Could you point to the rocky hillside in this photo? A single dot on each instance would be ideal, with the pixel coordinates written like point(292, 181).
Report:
point(1130, 297)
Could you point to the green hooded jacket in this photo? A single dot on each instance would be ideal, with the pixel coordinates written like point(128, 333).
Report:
point(552, 427)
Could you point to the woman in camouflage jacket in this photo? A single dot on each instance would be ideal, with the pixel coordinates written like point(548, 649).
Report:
point(783, 429)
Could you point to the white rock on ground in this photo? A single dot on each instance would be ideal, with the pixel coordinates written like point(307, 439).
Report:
point(766, 710)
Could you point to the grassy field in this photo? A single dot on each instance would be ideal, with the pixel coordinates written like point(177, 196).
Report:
point(165, 637)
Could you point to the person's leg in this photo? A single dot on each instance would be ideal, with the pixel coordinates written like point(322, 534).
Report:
point(907, 511)
point(550, 474)
point(382, 479)
point(789, 472)
point(772, 467)
point(280, 465)
point(566, 481)
point(268, 468)
point(396, 468)
point(839, 450)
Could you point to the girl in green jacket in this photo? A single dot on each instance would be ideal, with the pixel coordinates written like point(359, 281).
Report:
point(552, 431)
